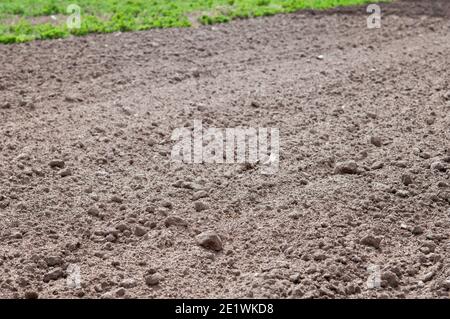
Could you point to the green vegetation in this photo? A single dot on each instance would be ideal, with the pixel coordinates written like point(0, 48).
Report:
point(26, 20)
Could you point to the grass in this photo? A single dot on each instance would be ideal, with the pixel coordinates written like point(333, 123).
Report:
point(27, 20)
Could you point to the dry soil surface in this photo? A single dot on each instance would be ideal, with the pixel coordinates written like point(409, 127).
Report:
point(87, 183)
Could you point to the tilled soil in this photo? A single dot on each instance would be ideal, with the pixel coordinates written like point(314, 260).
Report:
point(87, 182)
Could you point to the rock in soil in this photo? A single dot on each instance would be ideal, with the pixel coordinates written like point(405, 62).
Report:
point(153, 279)
point(210, 240)
point(348, 167)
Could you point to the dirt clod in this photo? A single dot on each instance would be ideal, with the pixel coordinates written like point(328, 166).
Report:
point(153, 279)
point(210, 240)
point(348, 167)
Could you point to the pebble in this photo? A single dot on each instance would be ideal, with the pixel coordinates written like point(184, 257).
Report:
point(402, 193)
point(53, 274)
point(111, 238)
point(175, 221)
point(116, 199)
point(430, 246)
point(417, 230)
point(153, 279)
point(295, 215)
point(438, 166)
point(428, 276)
point(52, 261)
point(348, 167)
point(200, 206)
point(376, 140)
point(107, 295)
point(199, 194)
point(122, 227)
point(320, 57)
point(167, 204)
point(57, 164)
point(93, 211)
point(140, 231)
point(377, 165)
point(390, 278)
point(255, 104)
point(128, 283)
point(210, 240)
point(372, 241)
point(407, 179)
point(31, 295)
point(447, 283)
point(6, 105)
point(120, 292)
point(16, 235)
point(65, 172)
point(442, 184)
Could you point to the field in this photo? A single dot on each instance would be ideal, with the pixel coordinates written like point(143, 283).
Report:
point(25, 20)
point(94, 204)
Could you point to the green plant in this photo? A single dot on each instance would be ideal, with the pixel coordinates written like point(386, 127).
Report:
point(103, 16)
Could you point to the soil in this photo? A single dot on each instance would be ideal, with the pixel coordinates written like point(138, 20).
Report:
point(87, 183)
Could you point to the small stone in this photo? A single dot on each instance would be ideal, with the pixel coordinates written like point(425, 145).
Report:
point(52, 261)
point(372, 241)
point(442, 184)
point(295, 215)
point(31, 295)
point(438, 166)
point(377, 165)
point(200, 206)
point(348, 167)
point(175, 221)
point(93, 211)
point(430, 246)
point(376, 140)
point(120, 292)
point(417, 230)
point(320, 57)
point(446, 283)
point(140, 231)
point(107, 295)
point(116, 199)
point(407, 179)
point(428, 276)
point(199, 194)
point(122, 227)
point(150, 209)
point(5, 106)
point(53, 274)
point(16, 235)
point(153, 279)
point(402, 193)
point(167, 204)
point(110, 238)
point(57, 164)
point(390, 278)
point(255, 104)
point(65, 172)
point(69, 98)
point(295, 278)
point(128, 283)
point(209, 240)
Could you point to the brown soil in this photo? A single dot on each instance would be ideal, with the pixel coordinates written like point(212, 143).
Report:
point(106, 106)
